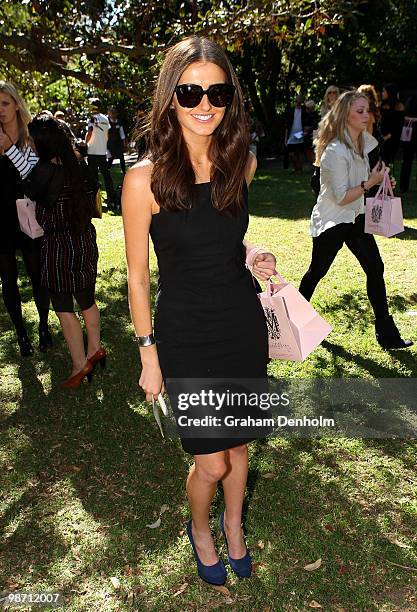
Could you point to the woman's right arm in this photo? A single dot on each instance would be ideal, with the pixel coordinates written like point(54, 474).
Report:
point(334, 170)
point(137, 203)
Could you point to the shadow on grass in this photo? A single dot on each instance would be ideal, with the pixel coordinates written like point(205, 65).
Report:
point(409, 233)
point(353, 303)
point(97, 452)
point(101, 440)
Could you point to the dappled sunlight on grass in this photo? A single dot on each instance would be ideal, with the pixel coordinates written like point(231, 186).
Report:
point(83, 473)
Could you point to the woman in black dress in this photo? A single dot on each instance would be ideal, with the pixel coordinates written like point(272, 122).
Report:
point(392, 119)
point(60, 185)
point(14, 118)
point(190, 195)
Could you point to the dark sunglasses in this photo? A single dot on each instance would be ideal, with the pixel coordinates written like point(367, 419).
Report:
point(190, 96)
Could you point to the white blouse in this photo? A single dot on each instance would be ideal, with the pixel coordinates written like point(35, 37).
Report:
point(341, 168)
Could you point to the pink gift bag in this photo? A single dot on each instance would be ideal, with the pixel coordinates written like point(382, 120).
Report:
point(384, 213)
point(407, 132)
point(295, 329)
point(26, 211)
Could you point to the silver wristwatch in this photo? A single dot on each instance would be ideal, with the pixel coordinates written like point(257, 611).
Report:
point(145, 340)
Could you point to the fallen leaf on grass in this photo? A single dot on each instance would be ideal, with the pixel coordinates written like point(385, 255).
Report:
point(71, 468)
point(181, 589)
point(261, 544)
point(11, 584)
point(343, 569)
point(225, 592)
point(157, 523)
point(313, 566)
point(268, 476)
point(394, 540)
point(115, 582)
point(314, 604)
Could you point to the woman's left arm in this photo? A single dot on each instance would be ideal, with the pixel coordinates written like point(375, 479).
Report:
point(263, 266)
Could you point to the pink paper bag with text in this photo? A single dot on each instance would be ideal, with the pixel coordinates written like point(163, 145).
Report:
point(384, 213)
point(295, 329)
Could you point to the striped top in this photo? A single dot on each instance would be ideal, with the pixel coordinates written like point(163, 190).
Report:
point(22, 159)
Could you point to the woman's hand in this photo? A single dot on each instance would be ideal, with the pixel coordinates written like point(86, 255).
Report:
point(264, 266)
point(377, 174)
point(151, 381)
point(5, 142)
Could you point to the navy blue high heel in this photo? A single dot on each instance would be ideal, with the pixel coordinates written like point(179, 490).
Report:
point(213, 574)
point(242, 567)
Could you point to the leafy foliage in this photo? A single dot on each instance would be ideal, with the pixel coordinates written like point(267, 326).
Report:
point(278, 47)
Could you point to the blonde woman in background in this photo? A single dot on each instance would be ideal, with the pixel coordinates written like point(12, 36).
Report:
point(373, 126)
point(338, 218)
point(330, 97)
point(14, 143)
point(374, 112)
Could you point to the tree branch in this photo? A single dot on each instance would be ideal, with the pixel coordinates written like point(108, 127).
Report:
point(42, 50)
point(89, 80)
point(103, 47)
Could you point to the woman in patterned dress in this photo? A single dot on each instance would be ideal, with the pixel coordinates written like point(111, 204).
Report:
point(60, 185)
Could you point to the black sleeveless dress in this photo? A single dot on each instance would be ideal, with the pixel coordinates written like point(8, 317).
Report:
point(208, 320)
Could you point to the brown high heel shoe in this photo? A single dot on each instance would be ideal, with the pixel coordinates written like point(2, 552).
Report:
point(75, 381)
point(99, 357)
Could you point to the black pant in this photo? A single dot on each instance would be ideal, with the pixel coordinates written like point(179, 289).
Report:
point(364, 248)
point(99, 162)
point(117, 153)
point(10, 290)
point(409, 151)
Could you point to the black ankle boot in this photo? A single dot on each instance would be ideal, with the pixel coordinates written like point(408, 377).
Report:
point(26, 348)
point(387, 334)
point(45, 339)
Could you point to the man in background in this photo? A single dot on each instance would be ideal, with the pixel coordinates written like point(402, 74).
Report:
point(97, 136)
point(117, 140)
point(294, 134)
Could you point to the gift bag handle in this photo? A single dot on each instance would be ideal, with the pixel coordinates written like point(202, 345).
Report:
point(384, 188)
point(269, 285)
point(388, 184)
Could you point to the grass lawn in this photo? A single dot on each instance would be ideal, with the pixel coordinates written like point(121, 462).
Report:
point(83, 473)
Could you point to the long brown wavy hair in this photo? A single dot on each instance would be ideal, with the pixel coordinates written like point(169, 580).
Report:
point(173, 176)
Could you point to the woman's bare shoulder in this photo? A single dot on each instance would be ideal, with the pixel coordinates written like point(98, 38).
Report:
point(140, 172)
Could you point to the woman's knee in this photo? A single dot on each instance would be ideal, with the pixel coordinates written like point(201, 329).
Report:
point(211, 470)
point(238, 451)
point(374, 268)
